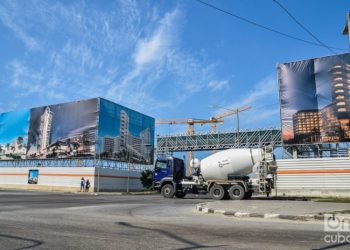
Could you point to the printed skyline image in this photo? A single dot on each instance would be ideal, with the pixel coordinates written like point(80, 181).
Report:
point(125, 134)
point(315, 100)
point(88, 128)
point(13, 134)
point(63, 130)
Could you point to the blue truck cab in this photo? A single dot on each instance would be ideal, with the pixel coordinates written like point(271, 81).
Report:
point(167, 169)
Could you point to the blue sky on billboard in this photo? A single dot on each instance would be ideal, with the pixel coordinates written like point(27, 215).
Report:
point(162, 58)
point(14, 125)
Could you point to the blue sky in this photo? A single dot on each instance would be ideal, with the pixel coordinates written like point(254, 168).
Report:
point(13, 125)
point(163, 58)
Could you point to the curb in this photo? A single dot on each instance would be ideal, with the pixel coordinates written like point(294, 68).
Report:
point(203, 209)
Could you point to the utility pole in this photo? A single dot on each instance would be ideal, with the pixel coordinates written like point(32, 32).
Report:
point(347, 27)
point(236, 111)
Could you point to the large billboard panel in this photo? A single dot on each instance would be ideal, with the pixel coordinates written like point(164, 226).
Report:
point(315, 100)
point(63, 130)
point(13, 134)
point(124, 134)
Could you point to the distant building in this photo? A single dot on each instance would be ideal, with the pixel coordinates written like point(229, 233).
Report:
point(329, 124)
point(138, 147)
point(45, 130)
point(341, 96)
point(124, 129)
point(306, 121)
point(306, 125)
point(341, 89)
point(108, 145)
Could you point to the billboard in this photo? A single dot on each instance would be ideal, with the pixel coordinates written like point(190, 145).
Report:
point(33, 176)
point(63, 130)
point(124, 134)
point(88, 128)
point(315, 100)
point(14, 134)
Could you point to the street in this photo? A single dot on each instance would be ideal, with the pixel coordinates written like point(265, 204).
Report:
point(39, 220)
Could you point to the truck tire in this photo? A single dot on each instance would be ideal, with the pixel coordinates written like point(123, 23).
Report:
point(180, 195)
point(168, 191)
point(236, 192)
point(217, 192)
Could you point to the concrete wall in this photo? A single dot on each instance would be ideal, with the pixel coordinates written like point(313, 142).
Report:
point(68, 178)
point(314, 177)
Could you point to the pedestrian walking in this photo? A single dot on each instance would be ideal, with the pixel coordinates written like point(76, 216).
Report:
point(87, 185)
point(82, 184)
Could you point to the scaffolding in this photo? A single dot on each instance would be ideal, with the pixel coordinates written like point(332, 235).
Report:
point(219, 140)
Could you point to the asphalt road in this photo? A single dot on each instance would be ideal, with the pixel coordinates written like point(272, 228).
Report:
point(37, 220)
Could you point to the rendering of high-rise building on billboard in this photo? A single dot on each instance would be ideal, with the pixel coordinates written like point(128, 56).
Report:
point(88, 128)
point(315, 100)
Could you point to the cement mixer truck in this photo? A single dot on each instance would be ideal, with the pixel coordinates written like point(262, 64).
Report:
point(231, 173)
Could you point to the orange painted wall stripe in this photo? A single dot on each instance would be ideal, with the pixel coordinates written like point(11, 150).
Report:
point(325, 171)
point(71, 175)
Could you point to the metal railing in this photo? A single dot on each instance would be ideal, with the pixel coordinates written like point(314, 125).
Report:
point(74, 162)
point(219, 140)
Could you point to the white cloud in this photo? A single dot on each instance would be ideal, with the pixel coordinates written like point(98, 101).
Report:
point(261, 91)
point(155, 47)
point(158, 55)
point(217, 85)
point(27, 82)
point(126, 54)
point(263, 99)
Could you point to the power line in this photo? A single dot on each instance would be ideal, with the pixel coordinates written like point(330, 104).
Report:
point(303, 27)
point(263, 26)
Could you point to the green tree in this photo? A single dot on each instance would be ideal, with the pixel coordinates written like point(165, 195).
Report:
point(146, 178)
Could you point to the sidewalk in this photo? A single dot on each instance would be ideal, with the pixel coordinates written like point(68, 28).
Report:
point(275, 209)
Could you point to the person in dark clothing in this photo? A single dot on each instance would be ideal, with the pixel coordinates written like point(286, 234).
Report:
point(82, 184)
point(87, 185)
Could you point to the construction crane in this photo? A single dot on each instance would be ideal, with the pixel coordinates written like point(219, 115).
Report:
point(190, 129)
point(228, 112)
point(213, 121)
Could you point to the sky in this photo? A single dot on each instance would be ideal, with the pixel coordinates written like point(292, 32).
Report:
point(165, 58)
point(14, 125)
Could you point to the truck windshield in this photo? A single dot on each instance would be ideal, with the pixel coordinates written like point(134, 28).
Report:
point(161, 165)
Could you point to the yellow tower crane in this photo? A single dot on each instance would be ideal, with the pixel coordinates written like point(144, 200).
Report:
point(228, 112)
point(190, 129)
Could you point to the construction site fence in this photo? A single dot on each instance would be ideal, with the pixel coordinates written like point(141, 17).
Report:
point(77, 162)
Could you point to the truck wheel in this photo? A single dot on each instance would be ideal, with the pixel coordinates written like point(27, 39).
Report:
point(217, 192)
point(180, 195)
point(168, 191)
point(236, 192)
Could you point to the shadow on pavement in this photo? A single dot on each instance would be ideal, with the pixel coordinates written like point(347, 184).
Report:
point(35, 243)
point(193, 245)
point(333, 246)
